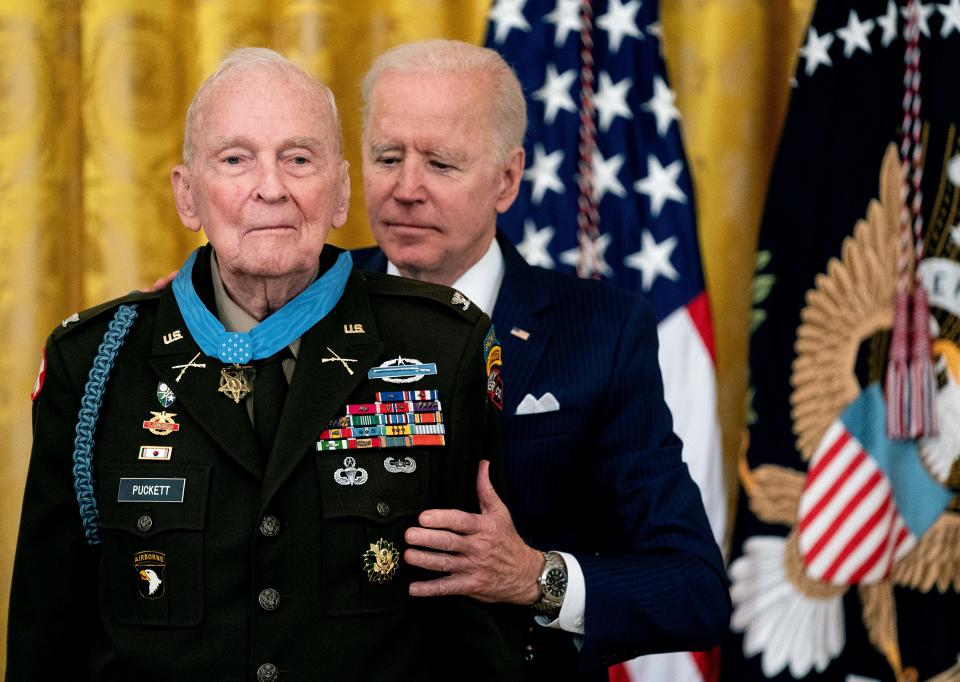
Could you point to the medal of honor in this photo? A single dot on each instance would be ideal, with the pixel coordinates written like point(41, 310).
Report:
point(234, 382)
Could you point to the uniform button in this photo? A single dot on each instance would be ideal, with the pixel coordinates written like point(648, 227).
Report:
point(269, 599)
point(268, 672)
point(383, 509)
point(144, 523)
point(579, 623)
point(270, 525)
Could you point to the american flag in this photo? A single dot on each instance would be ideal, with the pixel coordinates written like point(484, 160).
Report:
point(607, 194)
point(867, 498)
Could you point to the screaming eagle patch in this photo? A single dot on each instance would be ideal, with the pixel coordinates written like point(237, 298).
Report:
point(151, 568)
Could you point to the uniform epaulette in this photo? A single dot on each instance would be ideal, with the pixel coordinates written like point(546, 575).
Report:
point(390, 285)
point(78, 320)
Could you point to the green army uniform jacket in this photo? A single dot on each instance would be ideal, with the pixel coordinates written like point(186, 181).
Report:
point(216, 565)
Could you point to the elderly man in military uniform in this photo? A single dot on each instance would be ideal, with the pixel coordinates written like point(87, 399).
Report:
point(222, 471)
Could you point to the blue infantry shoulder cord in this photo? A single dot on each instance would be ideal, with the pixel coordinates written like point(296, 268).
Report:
point(88, 415)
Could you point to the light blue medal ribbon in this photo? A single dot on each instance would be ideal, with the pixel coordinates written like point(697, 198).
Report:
point(278, 330)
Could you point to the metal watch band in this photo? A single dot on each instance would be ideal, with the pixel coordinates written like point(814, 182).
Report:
point(553, 584)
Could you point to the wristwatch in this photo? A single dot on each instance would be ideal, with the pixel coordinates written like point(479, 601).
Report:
point(553, 585)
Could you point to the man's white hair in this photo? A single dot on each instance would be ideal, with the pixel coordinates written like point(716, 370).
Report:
point(508, 108)
point(257, 58)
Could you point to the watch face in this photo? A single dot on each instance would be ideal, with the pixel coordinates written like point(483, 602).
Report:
point(556, 582)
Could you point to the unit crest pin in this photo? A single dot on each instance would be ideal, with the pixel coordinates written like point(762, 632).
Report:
point(381, 561)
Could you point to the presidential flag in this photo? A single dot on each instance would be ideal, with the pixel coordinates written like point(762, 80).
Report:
point(607, 194)
point(846, 544)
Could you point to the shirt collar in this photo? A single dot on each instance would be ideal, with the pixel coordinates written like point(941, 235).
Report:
point(233, 317)
point(481, 283)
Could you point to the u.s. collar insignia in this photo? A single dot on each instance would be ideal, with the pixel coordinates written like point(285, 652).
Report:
point(381, 561)
point(162, 423)
point(165, 395)
point(175, 335)
point(402, 370)
point(151, 568)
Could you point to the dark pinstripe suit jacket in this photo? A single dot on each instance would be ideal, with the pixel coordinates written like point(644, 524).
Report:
point(602, 477)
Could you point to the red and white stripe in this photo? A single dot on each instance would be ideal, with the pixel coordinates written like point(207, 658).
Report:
point(850, 529)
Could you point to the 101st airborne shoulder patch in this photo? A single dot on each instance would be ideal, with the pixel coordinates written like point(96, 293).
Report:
point(151, 568)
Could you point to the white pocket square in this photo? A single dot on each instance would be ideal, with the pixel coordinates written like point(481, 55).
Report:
point(531, 405)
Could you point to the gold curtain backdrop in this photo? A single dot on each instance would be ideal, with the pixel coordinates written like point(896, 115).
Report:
point(92, 100)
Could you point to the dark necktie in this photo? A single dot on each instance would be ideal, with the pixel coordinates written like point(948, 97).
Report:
point(269, 395)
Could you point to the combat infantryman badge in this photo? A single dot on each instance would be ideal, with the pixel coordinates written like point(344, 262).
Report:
point(151, 570)
point(381, 561)
point(402, 370)
point(162, 423)
point(234, 382)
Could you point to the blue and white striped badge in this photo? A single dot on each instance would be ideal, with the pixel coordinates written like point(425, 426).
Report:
point(402, 370)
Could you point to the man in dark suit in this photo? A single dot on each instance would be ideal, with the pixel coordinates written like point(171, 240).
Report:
point(612, 547)
point(213, 523)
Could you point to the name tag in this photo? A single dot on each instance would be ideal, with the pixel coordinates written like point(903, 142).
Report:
point(151, 489)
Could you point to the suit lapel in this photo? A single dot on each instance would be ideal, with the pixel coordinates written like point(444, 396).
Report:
point(196, 387)
point(321, 384)
point(521, 304)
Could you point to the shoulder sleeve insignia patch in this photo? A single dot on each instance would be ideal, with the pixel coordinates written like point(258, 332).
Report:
point(41, 375)
point(493, 362)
